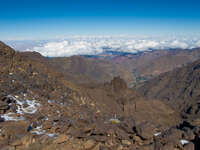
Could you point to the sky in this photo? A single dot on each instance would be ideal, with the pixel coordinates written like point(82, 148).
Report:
point(57, 19)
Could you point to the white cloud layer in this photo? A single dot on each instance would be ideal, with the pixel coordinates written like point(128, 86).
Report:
point(97, 45)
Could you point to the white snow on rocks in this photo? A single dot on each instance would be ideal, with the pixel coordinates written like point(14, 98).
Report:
point(51, 134)
point(184, 142)
point(51, 101)
point(27, 106)
point(31, 108)
point(23, 107)
point(38, 130)
point(157, 134)
point(12, 117)
point(58, 112)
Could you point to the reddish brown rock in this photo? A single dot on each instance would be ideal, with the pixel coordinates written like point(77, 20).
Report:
point(145, 130)
point(16, 143)
point(61, 139)
point(189, 146)
point(89, 144)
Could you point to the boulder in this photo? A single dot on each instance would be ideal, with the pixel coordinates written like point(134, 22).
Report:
point(188, 134)
point(1, 119)
point(138, 140)
point(126, 142)
point(168, 146)
point(44, 139)
point(189, 146)
point(146, 147)
point(145, 130)
point(172, 135)
point(47, 125)
point(1, 96)
point(4, 105)
point(16, 143)
point(89, 144)
point(27, 140)
point(61, 139)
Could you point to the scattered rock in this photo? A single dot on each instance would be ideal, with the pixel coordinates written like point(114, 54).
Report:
point(27, 140)
point(89, 144)
point(189, 146)
point(16, 143)
point(4, 106)
point(61, 139)
point(47, 125)
point(145, 130)
point(126, 142)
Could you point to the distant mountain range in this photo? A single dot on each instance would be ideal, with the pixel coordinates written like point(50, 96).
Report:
point(134, 68)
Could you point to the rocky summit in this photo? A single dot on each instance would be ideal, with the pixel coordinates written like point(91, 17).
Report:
point(41, 108)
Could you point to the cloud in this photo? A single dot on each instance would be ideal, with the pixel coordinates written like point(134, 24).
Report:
point(97, 45)
point(178, 44)
point(67, 48)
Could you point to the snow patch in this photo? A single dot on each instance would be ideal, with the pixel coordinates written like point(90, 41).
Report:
point(157, 134)
point(23, 107)
point(11, 117)
point(51, 101)
point(51, 134)
point(58, 112)
point(38, 130)
point(31, 108)
point(184, 142)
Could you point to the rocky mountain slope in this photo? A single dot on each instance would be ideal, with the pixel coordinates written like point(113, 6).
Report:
point(160, 61)
point(146, 65)
point(82, 70)
point(180, 84)
point(180, 89)
point(41, 108)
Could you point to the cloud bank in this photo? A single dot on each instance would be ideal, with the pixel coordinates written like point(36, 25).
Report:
point(98, 45)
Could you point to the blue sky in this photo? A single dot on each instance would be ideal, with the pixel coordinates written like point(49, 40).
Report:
point(46, 19)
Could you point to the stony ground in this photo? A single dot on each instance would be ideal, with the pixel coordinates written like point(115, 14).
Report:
point(42, 110)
